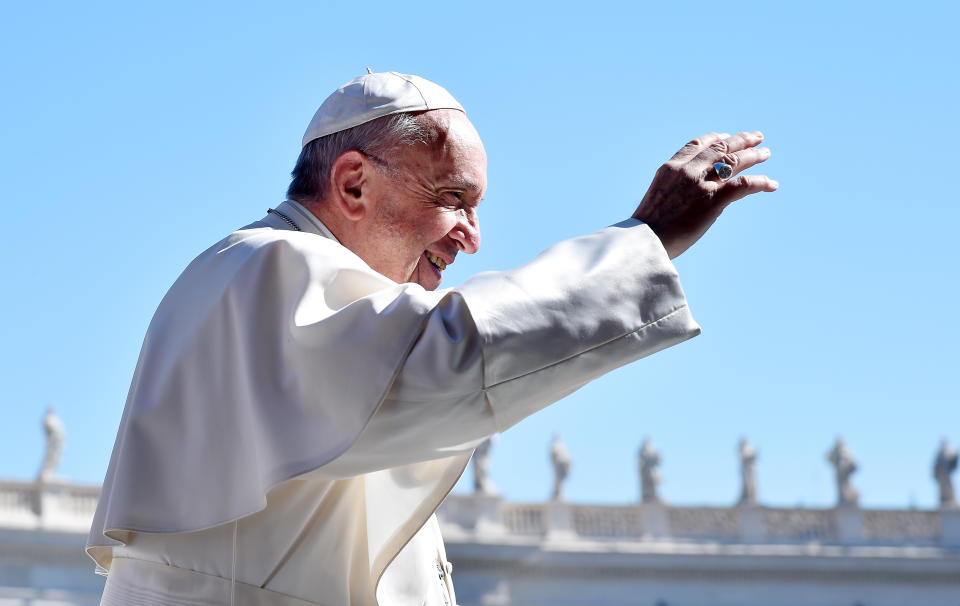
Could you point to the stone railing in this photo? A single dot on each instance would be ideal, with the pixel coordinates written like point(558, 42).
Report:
point(523, 518)
point(611, 522)
point(491, 518)
point(799, 525)
point(54, 504)
point(893, 525)
point(59, 505)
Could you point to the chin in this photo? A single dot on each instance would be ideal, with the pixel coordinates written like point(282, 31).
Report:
point(429, 284)
point(426, 275)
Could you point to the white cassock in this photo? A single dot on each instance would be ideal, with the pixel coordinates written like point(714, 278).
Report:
point(295, 417)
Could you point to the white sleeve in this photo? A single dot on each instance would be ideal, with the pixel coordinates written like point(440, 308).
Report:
point(506, 344)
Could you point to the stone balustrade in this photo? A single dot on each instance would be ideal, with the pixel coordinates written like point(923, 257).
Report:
point(486, 517)
point(65, 506)
point(47, 504)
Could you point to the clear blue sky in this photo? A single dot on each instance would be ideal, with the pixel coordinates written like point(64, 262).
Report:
point(136, 134)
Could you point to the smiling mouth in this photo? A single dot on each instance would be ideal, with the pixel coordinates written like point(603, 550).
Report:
point(436, 261)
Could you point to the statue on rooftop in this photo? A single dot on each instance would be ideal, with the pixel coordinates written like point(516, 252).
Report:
point(844, 465)
point(56, 435)
point(748, 472)
point(943, 468)
point(560, 457)
point(481, 469)
point(648, 460)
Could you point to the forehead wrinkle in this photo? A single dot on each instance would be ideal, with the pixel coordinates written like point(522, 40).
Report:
point(443, 162)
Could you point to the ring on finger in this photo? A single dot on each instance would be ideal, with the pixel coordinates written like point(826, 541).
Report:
point(723, 170)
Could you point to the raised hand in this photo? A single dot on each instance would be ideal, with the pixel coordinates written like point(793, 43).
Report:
point(687, 195)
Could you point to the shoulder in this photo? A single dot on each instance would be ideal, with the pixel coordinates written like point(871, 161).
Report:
point(290, 261)
point(258, 247)
point(258, 238)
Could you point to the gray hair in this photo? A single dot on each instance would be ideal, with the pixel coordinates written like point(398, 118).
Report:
point(375, 139)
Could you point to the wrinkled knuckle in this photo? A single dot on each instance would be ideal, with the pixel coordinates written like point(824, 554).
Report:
point(733, 183)
point(720, 147)
point(669, 170)
point(689, 173)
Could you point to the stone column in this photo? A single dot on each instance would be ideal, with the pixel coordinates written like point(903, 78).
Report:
point(849, 528)
point(487, 516)
point(751, 524)
point(559, 521)
point(950, 527)
point(655, 519)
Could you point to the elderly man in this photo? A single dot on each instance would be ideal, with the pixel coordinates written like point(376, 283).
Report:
point(305, 397)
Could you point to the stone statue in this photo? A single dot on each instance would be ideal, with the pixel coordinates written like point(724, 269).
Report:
point(481, 469)
point(842, 460)
point(748, 472)
point(53, 428)
point(649, 460)
point(943, 467)
point(560, 457)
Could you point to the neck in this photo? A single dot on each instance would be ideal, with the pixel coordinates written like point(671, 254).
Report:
point(345, 231)
point(359, 236)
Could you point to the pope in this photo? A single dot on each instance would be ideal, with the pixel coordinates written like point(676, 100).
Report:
point(306, 395)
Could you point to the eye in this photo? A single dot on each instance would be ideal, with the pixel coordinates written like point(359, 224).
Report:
point(450, 199)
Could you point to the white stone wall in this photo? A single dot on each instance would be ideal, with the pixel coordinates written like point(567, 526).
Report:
point(43, 528)
point(560, 554)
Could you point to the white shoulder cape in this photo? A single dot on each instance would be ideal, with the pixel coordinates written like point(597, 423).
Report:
point(274, 348)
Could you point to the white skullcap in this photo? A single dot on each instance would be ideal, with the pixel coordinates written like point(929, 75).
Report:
point(374, 95)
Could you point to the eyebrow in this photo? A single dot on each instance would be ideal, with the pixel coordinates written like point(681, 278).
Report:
point(464, 183)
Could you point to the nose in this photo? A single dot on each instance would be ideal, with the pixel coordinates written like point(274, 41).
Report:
point(466, 232)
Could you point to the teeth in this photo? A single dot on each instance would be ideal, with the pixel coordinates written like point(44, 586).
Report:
point(440, 263)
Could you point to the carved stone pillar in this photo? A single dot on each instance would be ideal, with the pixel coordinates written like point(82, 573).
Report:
point(559, 519)
point(950, 527)
point(655, 520)
point(488, 518)
point(849, 528)
point(751, 524)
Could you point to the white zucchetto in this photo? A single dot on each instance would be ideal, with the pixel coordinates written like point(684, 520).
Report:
point(372, 96)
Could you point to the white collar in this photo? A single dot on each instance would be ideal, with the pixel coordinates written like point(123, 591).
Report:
point(304, 219)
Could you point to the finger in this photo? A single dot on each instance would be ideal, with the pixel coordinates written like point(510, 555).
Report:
point(718, 149)
point(696, 146)
point(743, 186)
point(743, 141)
point(746, 158)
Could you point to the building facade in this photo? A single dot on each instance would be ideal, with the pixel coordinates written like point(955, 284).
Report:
point(43, 528)
point(562, 554)
point(659, 555)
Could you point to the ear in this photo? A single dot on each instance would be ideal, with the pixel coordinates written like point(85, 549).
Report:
point(350, 185)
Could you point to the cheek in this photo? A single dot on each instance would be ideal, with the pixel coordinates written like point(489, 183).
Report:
point(441, 225)
point(427, 231)
point(419, 225)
